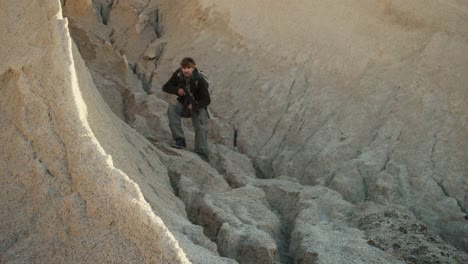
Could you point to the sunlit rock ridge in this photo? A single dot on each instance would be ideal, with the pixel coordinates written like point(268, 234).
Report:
point(338, 132)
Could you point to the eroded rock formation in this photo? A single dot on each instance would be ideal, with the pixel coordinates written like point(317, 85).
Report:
point(350, 119)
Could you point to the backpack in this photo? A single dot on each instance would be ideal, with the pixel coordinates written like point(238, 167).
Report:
point(201, 74)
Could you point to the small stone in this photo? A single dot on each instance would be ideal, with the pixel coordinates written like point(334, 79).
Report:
point(422, 228)
point(403, 230)
point(396, 246)
point(372, 243)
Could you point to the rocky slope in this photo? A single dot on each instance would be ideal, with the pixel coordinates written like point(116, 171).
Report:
point(366, 98)
point(353, 130)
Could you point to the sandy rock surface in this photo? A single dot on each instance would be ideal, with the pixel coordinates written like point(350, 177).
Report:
point(368, 98)
point(338, 132)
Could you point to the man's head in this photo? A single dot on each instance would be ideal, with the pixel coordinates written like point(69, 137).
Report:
point(187, 65)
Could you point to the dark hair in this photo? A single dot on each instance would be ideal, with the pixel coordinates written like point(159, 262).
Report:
point(187, 61)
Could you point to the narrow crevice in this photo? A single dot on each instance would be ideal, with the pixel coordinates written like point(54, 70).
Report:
point(127, 100)
point(47, 172)
point(234, 140)
point(139, 71)
point(330, 179)
point(192, 209)
point(366, 188)
point(275, 128)
point(202, 214)
point(145, 82)
point(365, 181)
point(462, 208)
point(283, 144)
point(174, 178)
point(166, 149)
point(323, 124)
point(385, 112)
point(156, 23)
point(439, 183)
point(385, 165)
point(286, 208)
point(446, 193)
point(281, 118)
point(283, 242)
point(263, 168)
point(105, 11)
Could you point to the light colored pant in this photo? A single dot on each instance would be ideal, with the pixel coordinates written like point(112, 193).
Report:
point(199, 121)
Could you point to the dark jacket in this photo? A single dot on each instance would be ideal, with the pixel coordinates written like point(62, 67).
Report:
point(198, 87)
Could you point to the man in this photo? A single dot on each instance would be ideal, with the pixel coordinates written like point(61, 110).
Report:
point(191, 87)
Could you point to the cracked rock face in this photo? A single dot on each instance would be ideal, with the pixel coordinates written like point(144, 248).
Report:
point(366, 98)
point(338, 132)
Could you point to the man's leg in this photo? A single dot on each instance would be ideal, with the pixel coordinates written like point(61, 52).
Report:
point(174, 114)
point(200, 124)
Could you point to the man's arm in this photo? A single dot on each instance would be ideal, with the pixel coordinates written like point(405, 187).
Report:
point(172, 84)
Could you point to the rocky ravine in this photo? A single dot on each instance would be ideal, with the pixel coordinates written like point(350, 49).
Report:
point(80, 185)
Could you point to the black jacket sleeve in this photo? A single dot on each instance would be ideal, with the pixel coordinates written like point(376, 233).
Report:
point(172, 84)
point(204, 99)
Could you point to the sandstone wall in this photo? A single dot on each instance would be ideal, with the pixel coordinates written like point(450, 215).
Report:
point(65, 199)
point(368, 98)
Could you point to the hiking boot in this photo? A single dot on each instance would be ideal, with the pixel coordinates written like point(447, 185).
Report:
point(179, 144)
point(203, 157)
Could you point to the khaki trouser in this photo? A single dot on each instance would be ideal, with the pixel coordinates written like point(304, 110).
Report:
point(199, 121)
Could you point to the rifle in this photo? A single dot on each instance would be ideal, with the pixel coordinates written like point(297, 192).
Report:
point(190, 100)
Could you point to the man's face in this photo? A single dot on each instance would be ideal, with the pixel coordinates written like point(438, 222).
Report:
point(187, 70)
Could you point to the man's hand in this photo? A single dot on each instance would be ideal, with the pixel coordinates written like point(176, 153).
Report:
point(190, 106)
point(181, 92)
